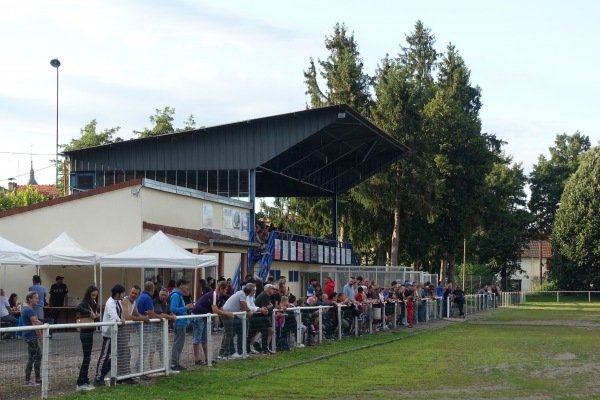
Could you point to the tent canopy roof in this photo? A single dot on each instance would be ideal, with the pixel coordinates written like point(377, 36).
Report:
point(13, 254)
point(156, 252)
point(64, 250)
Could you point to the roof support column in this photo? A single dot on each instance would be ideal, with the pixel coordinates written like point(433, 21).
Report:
point(244, 265)
point(221, 266)
point(252, 194)
point(334, 212)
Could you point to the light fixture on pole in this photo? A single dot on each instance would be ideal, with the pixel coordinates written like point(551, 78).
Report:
point(55, 63)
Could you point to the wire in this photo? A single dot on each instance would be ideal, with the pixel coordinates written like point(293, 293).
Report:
point(25, 174)
point(27, 154)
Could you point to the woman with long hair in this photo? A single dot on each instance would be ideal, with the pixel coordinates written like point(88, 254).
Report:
point(88, 308)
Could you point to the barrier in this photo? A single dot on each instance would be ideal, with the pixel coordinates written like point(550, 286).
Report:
point(145, 348)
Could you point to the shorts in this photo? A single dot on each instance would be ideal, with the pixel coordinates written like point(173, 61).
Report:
point(200, 335)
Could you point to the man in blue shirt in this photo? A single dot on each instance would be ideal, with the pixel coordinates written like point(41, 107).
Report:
point(37, 287)
point(179, 308)
point(28, 318)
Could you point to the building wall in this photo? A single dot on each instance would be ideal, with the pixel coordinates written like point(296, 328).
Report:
point(531, 270)
point(109, 222)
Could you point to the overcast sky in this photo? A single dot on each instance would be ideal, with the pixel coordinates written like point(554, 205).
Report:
point(535, 61)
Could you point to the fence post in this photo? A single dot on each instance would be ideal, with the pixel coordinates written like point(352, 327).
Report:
point(339, 316)
point(245, 334)
point(209, 340)
point(589, 297)
point(298, 315)
point(114, 333)
point(45, 357)
point(557, 294)
point(320, 324)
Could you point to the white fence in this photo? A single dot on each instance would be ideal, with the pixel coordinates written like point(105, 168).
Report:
point(145, 348)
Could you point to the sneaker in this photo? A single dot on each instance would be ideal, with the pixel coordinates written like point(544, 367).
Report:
point(268, 351)
point(178, 368)
point(99, 382)
point(299, 345)
point(31, 383)
point(220, 357)
point(38, 380)
point(85, 388)
point(145, 378)
point(253, 351)
point(235, 355)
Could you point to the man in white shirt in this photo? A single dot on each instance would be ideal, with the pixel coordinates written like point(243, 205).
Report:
point(113, 311)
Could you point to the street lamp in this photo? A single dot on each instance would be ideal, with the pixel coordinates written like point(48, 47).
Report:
point(55, 63)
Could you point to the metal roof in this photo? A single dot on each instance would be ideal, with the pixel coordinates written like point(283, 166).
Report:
point(316, 152)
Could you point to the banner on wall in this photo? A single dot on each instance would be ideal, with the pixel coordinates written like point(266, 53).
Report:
point(326, 254)
point(227, 218)
point(300, 251)
point(338, 257)
point(310, 254)
point(207, 214)
point(293, 245)
point(348, 257)
point(277, 254)
point(320, 254)
point(343, 256)
point(246, 222)
point(285, 248)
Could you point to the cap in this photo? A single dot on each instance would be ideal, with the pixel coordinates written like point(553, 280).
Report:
point(408, 284)
point(59, 277)
point(182, 282)
point(269, 286)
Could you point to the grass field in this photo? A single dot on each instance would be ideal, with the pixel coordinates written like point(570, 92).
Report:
point(540, 350)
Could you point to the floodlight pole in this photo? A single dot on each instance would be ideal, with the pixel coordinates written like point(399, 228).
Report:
point(55, 63)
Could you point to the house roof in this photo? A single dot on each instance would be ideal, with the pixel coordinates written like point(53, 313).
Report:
point(532, 249)
point(316, 152)
point(201, 235)
point(49, 191)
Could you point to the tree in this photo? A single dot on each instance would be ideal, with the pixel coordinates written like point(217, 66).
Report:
point(502, 235)
point(462, 157)
point(346, 83)
point(576, 234)
point(548, 179)
point(16, 199)
point(90, 137)
point(403, 86)
point(163, 123)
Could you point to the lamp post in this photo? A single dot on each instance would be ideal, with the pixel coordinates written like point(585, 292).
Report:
point(55, 63)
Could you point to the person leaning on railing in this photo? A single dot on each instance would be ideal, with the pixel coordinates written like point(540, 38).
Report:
point(88, 308)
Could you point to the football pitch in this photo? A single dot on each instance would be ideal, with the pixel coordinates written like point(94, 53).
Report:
point(538, 350)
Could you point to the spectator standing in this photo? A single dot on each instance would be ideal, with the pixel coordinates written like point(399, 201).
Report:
point(459, 300)
point(88, 308)
point(41, 291)
point(261, 322)
point(349, 288)
point(310, 291)
point(179, 308)
point(329, 286)
point(131, 313)
point(161, 308)
point(207, 304)
point(58, 295)
point(113, 311)
point(33, 339)
point(236, 303)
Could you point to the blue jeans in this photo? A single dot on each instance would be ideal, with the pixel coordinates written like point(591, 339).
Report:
point(200, 332)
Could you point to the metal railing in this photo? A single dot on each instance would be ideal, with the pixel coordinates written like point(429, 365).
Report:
point(139, 349)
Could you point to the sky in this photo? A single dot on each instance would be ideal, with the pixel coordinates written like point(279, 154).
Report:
point(230, 61)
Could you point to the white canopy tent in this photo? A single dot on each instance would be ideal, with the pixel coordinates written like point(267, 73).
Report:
point(156, 252)
point(13, 254)
point(64, 250)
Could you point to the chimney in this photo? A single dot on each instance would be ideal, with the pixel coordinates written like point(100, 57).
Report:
point(12, 186)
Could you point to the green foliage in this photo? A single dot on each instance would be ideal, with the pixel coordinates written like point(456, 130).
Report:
point(547, 181)
point(29, 196)
point(576, 237)
point(502, 232)
point(162, 122)
point(90, 137)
